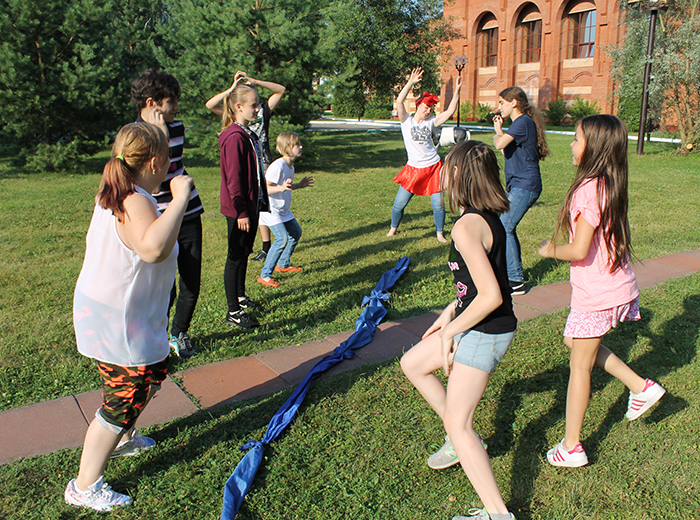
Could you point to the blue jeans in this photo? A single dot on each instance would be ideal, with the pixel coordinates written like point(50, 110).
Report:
point(402, 199)
point(287, 235)
point(520, 201)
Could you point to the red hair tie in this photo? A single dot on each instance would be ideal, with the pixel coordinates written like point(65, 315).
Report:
point(427, 98)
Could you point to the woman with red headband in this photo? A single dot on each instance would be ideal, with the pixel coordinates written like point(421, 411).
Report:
point(421, 175)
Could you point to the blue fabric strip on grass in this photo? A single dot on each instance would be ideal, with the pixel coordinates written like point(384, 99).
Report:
point(239, 483)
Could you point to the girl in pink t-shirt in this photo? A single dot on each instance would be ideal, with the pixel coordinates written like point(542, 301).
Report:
point(603, 286)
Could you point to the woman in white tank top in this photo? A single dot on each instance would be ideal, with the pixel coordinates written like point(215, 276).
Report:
point(121, 300)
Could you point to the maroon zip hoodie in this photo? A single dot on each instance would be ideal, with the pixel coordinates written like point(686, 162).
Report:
point(239, 175)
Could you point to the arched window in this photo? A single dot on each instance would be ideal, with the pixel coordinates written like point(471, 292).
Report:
point(581, 22)
point(487, 40)
point(529, 35)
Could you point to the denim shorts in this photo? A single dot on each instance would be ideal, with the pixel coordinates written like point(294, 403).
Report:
point(480, 350)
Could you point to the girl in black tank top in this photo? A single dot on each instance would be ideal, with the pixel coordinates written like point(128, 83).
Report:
point(474, 331)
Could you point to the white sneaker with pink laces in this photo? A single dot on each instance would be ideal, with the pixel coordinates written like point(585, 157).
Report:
point(641, 402)
point(558, 456)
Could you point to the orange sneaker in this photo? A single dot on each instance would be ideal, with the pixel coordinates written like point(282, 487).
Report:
point(268, 283)
point(288, 269)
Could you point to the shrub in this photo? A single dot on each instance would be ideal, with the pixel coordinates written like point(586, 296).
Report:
point(64, 155)
point(582, 108)
point(466, 111)
point(482, 112)
point(555, 112)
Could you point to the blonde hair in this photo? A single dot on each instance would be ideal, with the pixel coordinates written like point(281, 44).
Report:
point(134, 147)
point(286, 141)
point(236, 97)
point(471, 178)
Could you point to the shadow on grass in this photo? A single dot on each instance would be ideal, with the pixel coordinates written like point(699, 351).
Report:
point(224, 429)
point(541, 268)
point(353, 152)
point(672, 348)
point(346, 297)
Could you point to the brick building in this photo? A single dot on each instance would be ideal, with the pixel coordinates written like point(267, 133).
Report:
point(550, 48)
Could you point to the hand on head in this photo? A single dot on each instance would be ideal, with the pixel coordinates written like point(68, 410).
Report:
point(239, 77)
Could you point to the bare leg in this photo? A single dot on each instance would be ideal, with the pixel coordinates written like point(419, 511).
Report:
point(617, 368)
point(97, 449)
point(265, 233)
point(419, 363)
point(464, 391)
point(583, 357)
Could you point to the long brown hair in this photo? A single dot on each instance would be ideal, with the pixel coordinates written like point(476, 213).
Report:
point(524, 106)
point(134, 147)
point(604, 158)
point(471, 179)
point(236, 96)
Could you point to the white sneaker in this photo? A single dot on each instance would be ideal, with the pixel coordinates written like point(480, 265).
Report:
point(446, 456)
point(134, 446)
point(99, 496)
point(479, 514)
point(641, 402)
point(558, 456)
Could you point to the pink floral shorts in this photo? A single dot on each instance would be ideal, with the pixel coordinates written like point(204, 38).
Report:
point(581, 324)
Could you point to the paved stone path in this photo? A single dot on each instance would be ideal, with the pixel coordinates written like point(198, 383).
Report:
point(24, 431)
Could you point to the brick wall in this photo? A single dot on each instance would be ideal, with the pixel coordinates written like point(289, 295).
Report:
point(556, 73)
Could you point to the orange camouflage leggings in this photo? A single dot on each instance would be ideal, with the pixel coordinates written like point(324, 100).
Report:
point(125, 390)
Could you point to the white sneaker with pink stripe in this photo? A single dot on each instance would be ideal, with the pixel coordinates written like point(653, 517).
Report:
point(641, 402)
point(558, 456)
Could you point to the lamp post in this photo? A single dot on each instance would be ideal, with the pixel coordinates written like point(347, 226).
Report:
point(654, 6)
point(460, 62)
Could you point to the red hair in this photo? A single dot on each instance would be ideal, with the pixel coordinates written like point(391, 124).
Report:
point(427, 98)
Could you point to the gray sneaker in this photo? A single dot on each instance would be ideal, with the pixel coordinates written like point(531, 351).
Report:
point(446, 456)
point(181, 345)
point(479, 514)
point(134, 446)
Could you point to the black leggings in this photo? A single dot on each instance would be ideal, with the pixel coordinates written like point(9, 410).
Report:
point(240, 245)
point(189, 266)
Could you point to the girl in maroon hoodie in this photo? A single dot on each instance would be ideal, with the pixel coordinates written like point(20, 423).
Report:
point(243, 196)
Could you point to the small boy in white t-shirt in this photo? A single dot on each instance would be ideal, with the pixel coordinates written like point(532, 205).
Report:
point(284, 227)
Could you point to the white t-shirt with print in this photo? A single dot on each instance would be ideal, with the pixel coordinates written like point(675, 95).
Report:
point(278, 172)
point(418, 139)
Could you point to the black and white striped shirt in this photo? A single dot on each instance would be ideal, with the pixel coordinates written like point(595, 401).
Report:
point(163, 196)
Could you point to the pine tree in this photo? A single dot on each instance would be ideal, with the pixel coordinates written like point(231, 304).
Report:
point(271, 40)
point(66, 66)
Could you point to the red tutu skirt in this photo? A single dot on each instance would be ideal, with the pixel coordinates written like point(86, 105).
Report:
point(420, 181)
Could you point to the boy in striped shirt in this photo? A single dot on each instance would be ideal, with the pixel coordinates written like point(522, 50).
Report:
point(156, 91)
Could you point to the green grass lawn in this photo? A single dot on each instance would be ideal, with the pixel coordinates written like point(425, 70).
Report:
point(358, 447)
point(344, 251)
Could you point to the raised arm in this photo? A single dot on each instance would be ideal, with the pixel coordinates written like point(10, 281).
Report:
point(415, 77)
point(148, 235)
point(215, 104)
point(442, 117)
point(276, 89)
